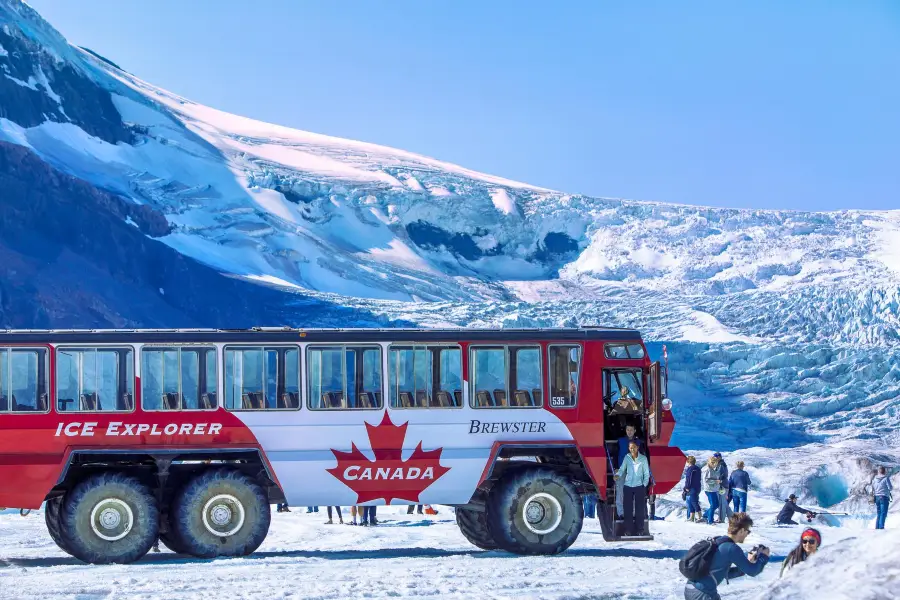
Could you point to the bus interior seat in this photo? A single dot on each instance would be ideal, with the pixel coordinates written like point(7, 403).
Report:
point(366, 400)
point(406, 400)
point(89, 401)
point(127, 401)
point(538, 397)
point(483, 398)
point(208, 401)
point(378, 403)
point(444, 399)
point(4, 403)
point(457, 397)
point(522, 398)
point(422, 399)
point(500, 398)
point(62, 404)
point(253, 400)
point(289, 400)
point(171, 400)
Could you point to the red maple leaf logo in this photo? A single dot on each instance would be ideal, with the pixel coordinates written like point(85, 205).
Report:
point(388, 476)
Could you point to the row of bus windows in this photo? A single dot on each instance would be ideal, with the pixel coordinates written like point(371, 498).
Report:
point(338, 378)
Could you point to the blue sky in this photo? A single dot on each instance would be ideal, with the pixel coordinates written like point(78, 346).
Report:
point(762, 104)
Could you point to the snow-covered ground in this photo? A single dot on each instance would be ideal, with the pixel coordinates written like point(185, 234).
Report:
point(408, 556)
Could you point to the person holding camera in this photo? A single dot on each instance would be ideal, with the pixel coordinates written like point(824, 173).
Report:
point(785, 516)
point(709, 562)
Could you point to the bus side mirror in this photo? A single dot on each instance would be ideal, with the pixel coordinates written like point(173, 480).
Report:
point(666, 404)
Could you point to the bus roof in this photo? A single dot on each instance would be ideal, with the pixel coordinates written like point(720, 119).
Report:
point(289, 334)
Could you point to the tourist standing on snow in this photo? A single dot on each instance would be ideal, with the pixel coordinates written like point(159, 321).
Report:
point(340, 516)
point(810, 540)
point(881, 489)
point(635, 474)
point(692, 486)
point(785, 517)
point(714, 480)
point(724, 504)
point(728, 553)
point(738, 486)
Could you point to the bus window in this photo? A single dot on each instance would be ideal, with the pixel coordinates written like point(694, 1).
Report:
point(94, 379)
point(507, 376)
point(344, 377)
point(262, 378)
point(23, 380)
point(178, 378)
point(624, 351)
point(425, 376)
point(525, 377)
point(564, 365)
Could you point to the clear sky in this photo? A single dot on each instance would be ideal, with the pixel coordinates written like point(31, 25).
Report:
point(762, 103)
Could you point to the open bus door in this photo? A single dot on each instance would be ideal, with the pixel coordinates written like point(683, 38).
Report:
point(654, 407)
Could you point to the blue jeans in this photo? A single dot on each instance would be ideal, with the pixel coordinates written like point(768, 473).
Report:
point(693, 501)
point(590, 506)
point(713, 498)
point(881, 507)
point(739, 500)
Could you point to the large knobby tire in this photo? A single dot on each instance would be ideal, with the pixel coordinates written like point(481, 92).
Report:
point(474, 526)
point(52, 509)
point(109, 518)
point(535, 511)
point(219, 512)
point(170, 539)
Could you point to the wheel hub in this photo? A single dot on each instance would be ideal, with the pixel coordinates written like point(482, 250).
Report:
point(223, 515)
point(542, 513)
point(111, 519)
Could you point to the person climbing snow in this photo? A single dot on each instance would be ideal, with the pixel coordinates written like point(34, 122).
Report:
point(785, 517)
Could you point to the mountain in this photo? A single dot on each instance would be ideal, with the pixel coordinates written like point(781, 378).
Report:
point(126, 205)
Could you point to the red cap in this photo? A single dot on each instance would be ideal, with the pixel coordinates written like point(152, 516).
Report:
point(812, 533)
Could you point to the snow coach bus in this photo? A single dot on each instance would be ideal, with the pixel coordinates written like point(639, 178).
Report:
point(188, 436)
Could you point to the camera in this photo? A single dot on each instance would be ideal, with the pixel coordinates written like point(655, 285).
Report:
point(758, 549)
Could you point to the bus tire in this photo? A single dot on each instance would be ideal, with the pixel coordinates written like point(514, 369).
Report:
point(475, 528)
point(220, 512)
point(535, 511)
point(52, 508)
point(170, 539)
point(109, 518)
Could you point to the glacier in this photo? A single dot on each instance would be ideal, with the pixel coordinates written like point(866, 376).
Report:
point(782, 327)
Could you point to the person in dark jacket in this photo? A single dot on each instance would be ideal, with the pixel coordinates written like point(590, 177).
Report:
point(785, 517)
point(738, 487)
point(810, 541)
point(692, 487)
point(728, 554)
point(724, 504)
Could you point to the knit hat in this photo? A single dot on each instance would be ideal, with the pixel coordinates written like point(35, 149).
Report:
point(812, 533)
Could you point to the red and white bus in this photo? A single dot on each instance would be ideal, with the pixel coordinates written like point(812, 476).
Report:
point(187, 436)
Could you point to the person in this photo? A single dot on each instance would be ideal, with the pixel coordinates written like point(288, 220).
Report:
point(354, 510)
point(312, 509)
point(881, 489)
point(785, 517)
point(635, 473)
point(724, 503)
point(340, 516)
point(713, 480)
point(416, 507)
point(738, 486)
point(626, 404)
point(810, 540)
point(692, 487)
point(728, 553)
point(624, 441)
point(368, 516)
point(590, 505)
point(283, 507)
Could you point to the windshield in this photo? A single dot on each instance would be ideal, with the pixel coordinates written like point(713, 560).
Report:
point(621, 383)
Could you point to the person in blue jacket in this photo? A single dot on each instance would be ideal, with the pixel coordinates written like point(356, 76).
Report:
point(738, 487)
point(727, 554)
point(692, 487)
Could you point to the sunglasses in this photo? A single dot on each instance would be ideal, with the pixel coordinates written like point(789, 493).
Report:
point(812, 541)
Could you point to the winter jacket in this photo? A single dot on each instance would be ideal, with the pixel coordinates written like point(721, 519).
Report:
point(739, 480)
point(623, 447)
point(635, 471)
point(788, 510)
point(714, 479)
point(881, 486)
point(692, 479)
point(727, 554)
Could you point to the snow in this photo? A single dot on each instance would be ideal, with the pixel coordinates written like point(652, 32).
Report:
point(3, 52)
point(502, 201)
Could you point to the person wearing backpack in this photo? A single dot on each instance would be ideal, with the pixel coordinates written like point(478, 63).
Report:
point(710, 561)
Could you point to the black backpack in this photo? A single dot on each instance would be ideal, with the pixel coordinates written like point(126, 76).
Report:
point(695, 564)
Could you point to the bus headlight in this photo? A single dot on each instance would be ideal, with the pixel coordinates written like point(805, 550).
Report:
point(666, 404)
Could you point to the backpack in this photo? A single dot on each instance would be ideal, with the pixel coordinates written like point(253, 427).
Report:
point(695, 564)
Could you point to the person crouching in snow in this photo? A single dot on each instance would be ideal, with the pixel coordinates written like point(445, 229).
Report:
point(692, 487)
point(785, 517)
point(738, 486)
point(810, 540)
